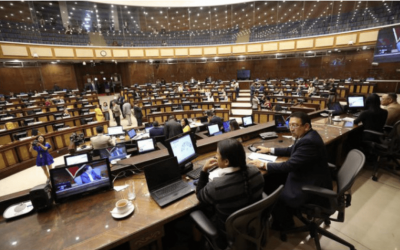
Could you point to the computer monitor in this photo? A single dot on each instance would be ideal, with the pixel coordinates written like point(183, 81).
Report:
point(132, 133)
point(203, 119)
point(20, 135)
point(37, 110)
point(300, 100)
point(146, 103)
point(28, 120)
point(3, 102)
point(183, 99)
point(193, 106)
point(183, 147)
point(58, 126)
point(89, 119)
point(117, 152)
point(356, 102)
point(85, 104)
point(60, 108)
point(58, 116)
point(204, 99)
point(73, 181)
point(213, 129)
point(148, 124)
point(71, 160)
point(227, 126)
point(165, 100)
point(336, 107)
point(279, 99)
point(285, 108)
point(281, 125)
point(116, 130)
point(154, 110)
point(148, 128)
point(217, 106)
point(247, 121)
point(146, 145)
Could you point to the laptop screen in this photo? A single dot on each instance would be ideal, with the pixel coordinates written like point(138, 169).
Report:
point(183, 148)
point(281, 125)
point(80, 179)
point(117, 130)
point(247, 121)
point(145, 145)
point(212, 129)
point(161, 173)
point(76, 159)
point(148, 129)
point(112, 153)
point(132, 133)
point(227, 127)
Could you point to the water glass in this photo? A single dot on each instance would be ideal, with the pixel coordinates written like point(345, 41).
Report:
point(130, 190)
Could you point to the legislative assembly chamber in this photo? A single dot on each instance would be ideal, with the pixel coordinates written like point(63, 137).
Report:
point(180, 125)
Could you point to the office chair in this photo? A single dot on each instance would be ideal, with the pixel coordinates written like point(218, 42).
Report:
point(160, 138)
point(246, 228)
point(313, 215)
point(388, 147)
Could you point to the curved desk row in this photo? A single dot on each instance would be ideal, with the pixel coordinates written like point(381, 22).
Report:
point(67, 224)
point(44, 126)
point(15, 156)
point(161, 117)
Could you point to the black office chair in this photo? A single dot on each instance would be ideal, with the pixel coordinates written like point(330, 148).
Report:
point(387, 147)
point(246, 228)
point(313, 215)
point(160, 138)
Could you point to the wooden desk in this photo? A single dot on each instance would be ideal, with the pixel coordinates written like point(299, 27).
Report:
point(86, 223)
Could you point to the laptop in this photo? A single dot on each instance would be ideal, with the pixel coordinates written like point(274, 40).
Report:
point(165, 183)
point(146, 145)
point(281, 124)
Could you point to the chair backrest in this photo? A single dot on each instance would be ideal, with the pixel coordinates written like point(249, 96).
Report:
point(351, 167)
point(10, 125)
point(394, 139)
point(247, 227)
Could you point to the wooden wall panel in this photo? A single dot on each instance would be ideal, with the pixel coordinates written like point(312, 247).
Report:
point(19, 80)
point(62, 74)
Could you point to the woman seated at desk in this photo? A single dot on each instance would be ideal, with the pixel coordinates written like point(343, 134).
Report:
point(234, 185)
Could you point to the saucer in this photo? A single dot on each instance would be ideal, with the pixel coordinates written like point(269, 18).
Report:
point(119, 216)
point(338, 120)
point(324, 114)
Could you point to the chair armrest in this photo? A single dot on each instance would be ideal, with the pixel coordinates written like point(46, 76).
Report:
point(331, 165)
point(373, 132)
point(204, 223)
point(323, 192)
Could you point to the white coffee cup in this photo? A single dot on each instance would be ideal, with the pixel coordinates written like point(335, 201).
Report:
point(336, 117)
point(122, 206)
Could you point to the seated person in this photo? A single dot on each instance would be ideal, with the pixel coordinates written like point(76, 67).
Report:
point(213, 119)
point(156, 130)
point(373, 118)
point(89, 175)
point(233, 187)
point(307, 165)
point(66, 113)
point(185, 125)
point(100, 140)
point(393, 107)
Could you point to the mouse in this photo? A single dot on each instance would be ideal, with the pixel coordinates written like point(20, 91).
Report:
point(280, 141)
point(195, 182)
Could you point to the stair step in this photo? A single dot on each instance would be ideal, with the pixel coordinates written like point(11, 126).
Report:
point(243, 99)
point(241, 105)
point(241, 112)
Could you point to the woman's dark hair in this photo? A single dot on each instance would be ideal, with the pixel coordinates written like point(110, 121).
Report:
point(233, 151)
point(373, 102)
point(44, 139)
point(234, 125)
point(186, 122)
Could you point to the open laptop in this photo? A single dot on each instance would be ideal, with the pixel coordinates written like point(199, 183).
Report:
point(213, 130)
point(146, 145)
point(165, 183)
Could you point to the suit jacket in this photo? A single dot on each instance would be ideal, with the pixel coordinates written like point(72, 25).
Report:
point(217, 120)
point(102, 141)
point(156, 131)
point(393, 114)
point(85, 177)
point(138, 112)
point(307, 165)
point(126, 108)
point(172, 128)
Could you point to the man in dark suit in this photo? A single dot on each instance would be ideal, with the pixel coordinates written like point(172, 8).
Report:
point(89, 175)
point(213, 119)
point(172, 128)
point(138, 114)
point(156, 130)
point(307, 165)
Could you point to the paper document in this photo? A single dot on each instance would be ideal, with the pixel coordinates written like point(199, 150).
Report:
point(263, 157)
point(348, 119)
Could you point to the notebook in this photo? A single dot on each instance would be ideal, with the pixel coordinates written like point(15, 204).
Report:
point(165, 183)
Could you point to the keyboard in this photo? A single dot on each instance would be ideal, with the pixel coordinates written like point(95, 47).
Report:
point(167, 190)
point(195, 173)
